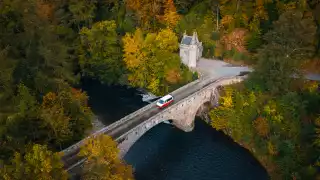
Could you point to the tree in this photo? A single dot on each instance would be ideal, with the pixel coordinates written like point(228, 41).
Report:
point(82, 11)
point(100, 52)
point(219, 118)
point(288, 44)
point(37, 163)
point(76, 112)
point(103, 161)
point(146, 11)
point(170, 17)
point(240, 13)
point(151, 60)
point(262, 127)
point(54, 117)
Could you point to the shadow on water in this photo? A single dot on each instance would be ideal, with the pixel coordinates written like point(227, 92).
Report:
point(167, 153)
point(111, 103)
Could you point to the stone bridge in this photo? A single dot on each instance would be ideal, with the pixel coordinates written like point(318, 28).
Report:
point(188, 101)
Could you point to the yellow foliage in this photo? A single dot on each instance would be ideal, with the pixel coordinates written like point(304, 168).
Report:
point(218, 119)
point(272, 149)
point(48, 99)
point(227, 102)
point(219, 123)
point(227, 20)
point(170, 17)
point(311, 86)
point(103, 160)
point(152, 60)
point(37, 163)
point(154, 85)
point(262, 13)
point(132, 45)
point(270, 109)
point(167, 40)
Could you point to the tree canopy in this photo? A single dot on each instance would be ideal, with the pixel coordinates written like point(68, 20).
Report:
point(47, 47)
point(103, 160)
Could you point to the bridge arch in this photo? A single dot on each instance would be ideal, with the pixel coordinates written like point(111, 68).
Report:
point(182, 115)
point(126, 141)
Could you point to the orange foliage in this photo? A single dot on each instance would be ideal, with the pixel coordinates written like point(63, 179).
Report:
point(173, 76)
point(44, 9)
point(312, 66)
point(235, 40)
point(262, 127)
point(145, 9)
point(48, 99)
point(170, 17)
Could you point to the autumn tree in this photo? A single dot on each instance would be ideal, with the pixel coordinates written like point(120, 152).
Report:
point(146, 11)
point(240, 13)
point(151, 60)
point(103, 160)
point(170, 17)
point(262, 127)
point(66, 115)
point(288, 44)
point(37, 163)
point(100, 52)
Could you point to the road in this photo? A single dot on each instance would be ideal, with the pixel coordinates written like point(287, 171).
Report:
point(216, 68)
point(120, 129)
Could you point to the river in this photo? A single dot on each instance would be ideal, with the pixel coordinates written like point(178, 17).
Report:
point(167, 153)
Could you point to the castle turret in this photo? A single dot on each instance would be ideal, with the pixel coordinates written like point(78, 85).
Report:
point(190, 49)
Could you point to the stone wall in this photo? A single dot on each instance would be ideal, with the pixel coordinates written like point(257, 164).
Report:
point(182, 113)
point(72, 149)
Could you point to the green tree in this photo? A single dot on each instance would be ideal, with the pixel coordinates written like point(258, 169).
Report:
point(37, 163)
point(288, 44)
point(103, 160)
point(100, 52)
point(83, 11)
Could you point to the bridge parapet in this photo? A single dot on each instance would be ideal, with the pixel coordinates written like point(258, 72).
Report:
point(182, 112)
point(140, 111)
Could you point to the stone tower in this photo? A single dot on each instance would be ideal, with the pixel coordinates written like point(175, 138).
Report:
point(190, 50)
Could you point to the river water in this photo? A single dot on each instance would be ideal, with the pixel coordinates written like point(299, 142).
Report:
point(167, 153)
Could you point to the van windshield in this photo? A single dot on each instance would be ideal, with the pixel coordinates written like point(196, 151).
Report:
point(161, 101)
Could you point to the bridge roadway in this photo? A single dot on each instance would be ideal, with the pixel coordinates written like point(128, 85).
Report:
point(72, 160)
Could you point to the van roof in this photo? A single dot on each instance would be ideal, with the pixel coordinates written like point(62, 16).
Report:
point(166, 97)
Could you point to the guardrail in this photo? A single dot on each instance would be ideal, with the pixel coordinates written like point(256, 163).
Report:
point(205, 82)
point(124, 119)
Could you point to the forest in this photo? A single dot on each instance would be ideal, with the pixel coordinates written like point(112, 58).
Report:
point(48, 46)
